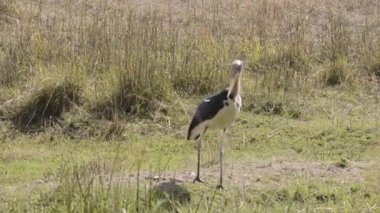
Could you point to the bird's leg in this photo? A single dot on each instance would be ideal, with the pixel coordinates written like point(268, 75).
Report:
point(220, 185)
point(197, 178)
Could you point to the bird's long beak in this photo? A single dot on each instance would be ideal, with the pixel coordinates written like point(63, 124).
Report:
point(237, 68)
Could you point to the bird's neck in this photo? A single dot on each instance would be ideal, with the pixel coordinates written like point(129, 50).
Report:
point(234, 89)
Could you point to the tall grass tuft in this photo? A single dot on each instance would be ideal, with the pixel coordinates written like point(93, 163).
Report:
point(374, 67)
point(45, 99)
point(337, 73)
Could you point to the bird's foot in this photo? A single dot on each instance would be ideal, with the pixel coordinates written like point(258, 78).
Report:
point(197, 179)
point(220, 187)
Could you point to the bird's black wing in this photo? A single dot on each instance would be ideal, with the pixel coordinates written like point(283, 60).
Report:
point(210, 106)
point(208, 109)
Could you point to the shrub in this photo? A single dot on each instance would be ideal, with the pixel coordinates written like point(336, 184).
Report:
point(336, 73)
point(127, 93)
point(375, 69)
point(139, 97)
point(45, 103)
point(6, 12)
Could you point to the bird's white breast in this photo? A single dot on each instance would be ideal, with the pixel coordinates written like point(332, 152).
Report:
point(225, 117)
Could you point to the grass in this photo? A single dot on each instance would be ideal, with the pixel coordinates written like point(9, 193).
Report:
point(43, 172)
point(96, 96)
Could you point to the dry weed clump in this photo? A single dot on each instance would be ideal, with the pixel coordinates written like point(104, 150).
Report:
point(337, 72)
point(127, 99)
point(124, 92)
point(44, 104)
point(374, 68)
point(6, 13)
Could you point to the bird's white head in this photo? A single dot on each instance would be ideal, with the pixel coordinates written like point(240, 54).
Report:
point(237, 67)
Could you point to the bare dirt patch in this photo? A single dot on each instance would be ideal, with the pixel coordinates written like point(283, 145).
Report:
point(260, 174)
point(257, 174)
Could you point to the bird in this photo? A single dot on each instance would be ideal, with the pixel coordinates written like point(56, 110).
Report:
point(217, 113)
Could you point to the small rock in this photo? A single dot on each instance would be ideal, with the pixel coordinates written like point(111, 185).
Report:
point(39, 181)
point(244, 122)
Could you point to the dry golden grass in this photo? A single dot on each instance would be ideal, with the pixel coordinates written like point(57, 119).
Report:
point(130, 57)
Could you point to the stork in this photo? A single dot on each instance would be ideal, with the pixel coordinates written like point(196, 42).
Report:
point(217, 113)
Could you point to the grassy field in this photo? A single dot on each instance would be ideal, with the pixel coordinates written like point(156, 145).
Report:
point(96, 98)
point(319, 162)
